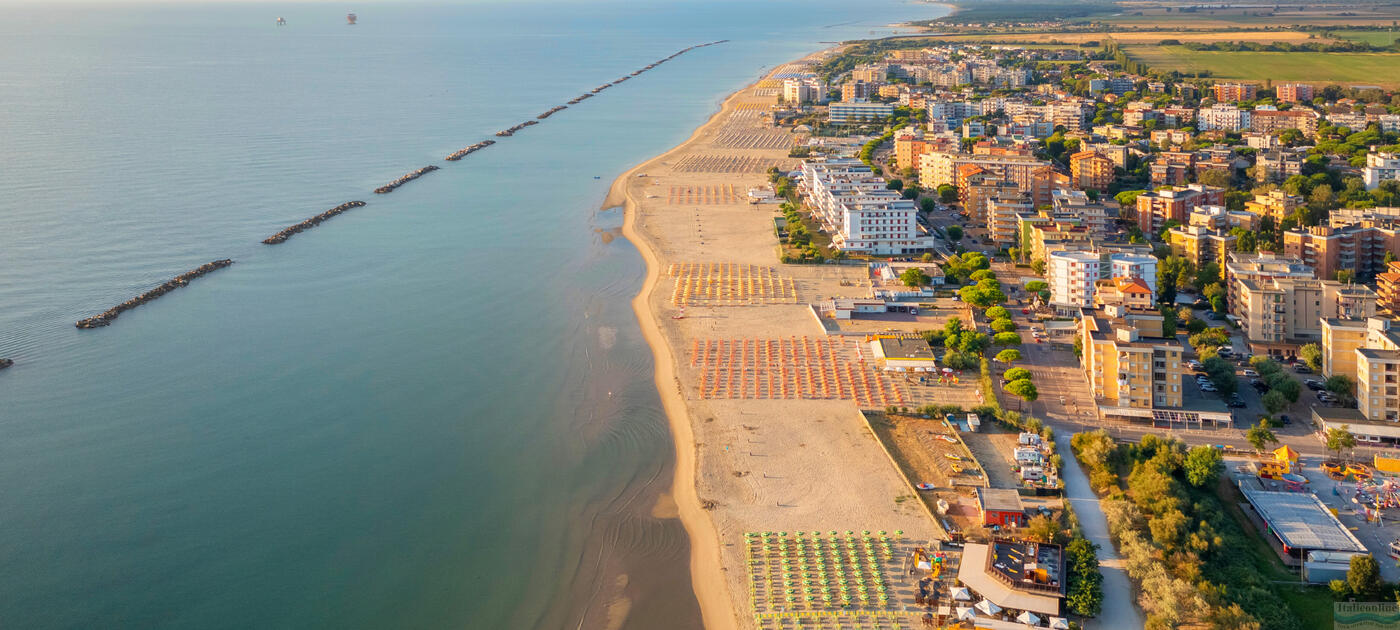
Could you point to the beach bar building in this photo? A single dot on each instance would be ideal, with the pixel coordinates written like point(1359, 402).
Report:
point(1306, 529)
point(1015, 576)
point(1001, 506)
point(899, 352)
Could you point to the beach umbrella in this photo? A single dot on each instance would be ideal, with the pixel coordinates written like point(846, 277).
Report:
point(986, 606)
point(1059, 623)
point(965, 613)
point(1028, 618)
point(961, 593)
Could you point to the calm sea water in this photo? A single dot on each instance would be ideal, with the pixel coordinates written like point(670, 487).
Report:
point(434, 411)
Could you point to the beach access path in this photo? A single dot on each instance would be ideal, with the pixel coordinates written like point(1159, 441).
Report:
point(748, 464)
point(1119, 610)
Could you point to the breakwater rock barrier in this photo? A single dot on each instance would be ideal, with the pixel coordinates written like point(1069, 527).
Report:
point(388, 188)
point(105, 318)
point(281, 237)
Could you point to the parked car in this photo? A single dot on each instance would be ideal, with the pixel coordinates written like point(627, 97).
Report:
point(1250, 373)
point(1236, 402)
point(1283, 418)
point(1313, 384)
point(1224, 351)
point(1208, 388)
point(1302, 368)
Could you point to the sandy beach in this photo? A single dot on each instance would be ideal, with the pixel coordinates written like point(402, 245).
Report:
point(764, 458)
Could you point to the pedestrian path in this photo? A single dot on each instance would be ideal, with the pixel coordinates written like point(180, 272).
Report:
point(1119, 611)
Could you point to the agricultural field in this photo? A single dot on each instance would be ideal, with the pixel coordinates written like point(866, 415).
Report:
point(1374, 38)
point(1154, 15)
point(1136, 37)
point(1307, 67)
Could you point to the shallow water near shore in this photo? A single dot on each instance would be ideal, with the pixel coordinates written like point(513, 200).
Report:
point(432, 411)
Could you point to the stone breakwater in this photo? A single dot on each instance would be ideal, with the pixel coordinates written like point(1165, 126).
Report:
point(461, 153)
point(4, 363)
point(388, 188)
point(281, 237)
point(550, 112)
point(105, 318)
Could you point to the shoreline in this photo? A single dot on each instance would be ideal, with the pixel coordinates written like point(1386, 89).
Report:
point(706, 567)
point(747, 463)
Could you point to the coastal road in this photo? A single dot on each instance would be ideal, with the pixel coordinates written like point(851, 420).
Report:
point(1119, 610)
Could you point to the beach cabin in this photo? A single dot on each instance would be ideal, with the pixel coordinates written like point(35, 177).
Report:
point(1000, 506)
point(903, 354)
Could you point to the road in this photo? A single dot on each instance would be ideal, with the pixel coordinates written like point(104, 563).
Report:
point(1119, 610)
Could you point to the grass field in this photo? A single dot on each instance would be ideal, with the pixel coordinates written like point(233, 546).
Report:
point(1374, 38)
point(1136, 37)
point(1320, 68)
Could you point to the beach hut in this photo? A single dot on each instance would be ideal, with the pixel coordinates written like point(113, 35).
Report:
point(962, 594)
point(1059, 623)
point(966, 613)
point(987, 607)
point(1029, 618)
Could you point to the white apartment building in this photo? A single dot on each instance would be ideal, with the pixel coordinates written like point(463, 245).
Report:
point(1380, 167)
point(860, 213)
point(805, 90)
point(1135, 266)
point(1222, 117)
point(1071, 275)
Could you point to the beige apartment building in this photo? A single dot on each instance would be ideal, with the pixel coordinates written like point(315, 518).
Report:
point(1279, 315)
point(1368, 352)
point(1276, 204)
point(1130, 366)
point(1201, 245)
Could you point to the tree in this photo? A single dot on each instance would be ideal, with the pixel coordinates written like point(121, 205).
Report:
point(1364, 576)
point(914, 277)
point(1340, 439)
point(1016, 374)
point(1260, 437)
point(997, 312)
point(927, 205)
point(1312, 355)
point(1023, 389)
point(1003, 325)
point(1274, 401)
point(1036, 286)
point(1085, 594)
point(1008, 355)
point(958, 361)
point(1341, 385)
point(1042, 529)
point(1006, 339)
point(947, 193)
point(954, 233)
point(1038, 267)
point(1345, 276)
point(982, 274)
point(1203, 465)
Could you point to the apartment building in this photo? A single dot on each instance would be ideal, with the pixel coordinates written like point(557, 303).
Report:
point(1260, 267)
point(1002, 212)
point(1071, 276)
point(861, 215)
point(1279, 315)
point(1388, 288)
point(804, 91)
point(1234, 92)
point(856, 90)
point(1131, 293)
point(1380, 167)
point(1265, 120)
point(1099, 218)
point(1220, 218)
point(858, 111)
point(1279, 165)
point(1200, 244)
point(1294, 92)
point(1172, 168)
point(1032, 176)
point(1222, 117)
point(1378, 384)
point(977, 185)
point(1091, 171)
point(1128, 363)
point(1359, 249)
point(1155, 208)
point(1276, 204)
point(910, 145)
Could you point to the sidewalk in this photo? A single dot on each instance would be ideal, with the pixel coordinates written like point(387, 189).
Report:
point(1119, 610)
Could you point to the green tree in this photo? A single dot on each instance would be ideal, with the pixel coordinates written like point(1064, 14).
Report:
point(1008, 355)
point(1203, 465)
point(954, 233)
point(947, 193)
point(1016, 374)
point(1042, 529)
point(1023, 389)
point(1312, 355)
point(1036, 286)
point(1340, 439)
point(958, 361)
point(1084, 596)
point(1260, 437)
point(1345, 276)
point(1342, 386)
point(1038, 267)
point(997, 312)
point(982, 274)
point(914, 277)
point(1003, 325)
point(1006, 339)
point(1274, 401)
point(927, 205)
point(1364, 576)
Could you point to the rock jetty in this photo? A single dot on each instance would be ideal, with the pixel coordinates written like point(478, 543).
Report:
point(388, 188)
point(106, 317)
point(281, 237)
point(4, 363)
point(550, 112)
point(469, 150)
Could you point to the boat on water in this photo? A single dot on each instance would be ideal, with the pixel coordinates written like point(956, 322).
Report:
point(350, 18)
point(924, 486)
point(281, 21)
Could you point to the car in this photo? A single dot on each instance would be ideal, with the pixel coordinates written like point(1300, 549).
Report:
point(1313, 384)
point(1236, 403)
point(1208, 388)
point(1213, 315)
point(1283, 417)
point(1326, 397)
point(1302, 368)
point(1250, 373)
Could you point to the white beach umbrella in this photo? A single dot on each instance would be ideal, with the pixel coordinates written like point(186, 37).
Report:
point(986, 606)
point(1059, 623)
point(965, 613)
point(1027, 617)
point(962, 593)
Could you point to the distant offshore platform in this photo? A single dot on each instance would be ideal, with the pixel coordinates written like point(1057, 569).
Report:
point(281, 21)
point(350, 18)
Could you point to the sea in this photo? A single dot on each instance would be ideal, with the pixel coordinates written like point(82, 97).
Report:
point(435, 411)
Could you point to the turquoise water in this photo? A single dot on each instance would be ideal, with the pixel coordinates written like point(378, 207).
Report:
point(433, 411)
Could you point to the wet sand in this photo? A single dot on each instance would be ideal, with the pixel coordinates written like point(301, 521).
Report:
point(747, 464)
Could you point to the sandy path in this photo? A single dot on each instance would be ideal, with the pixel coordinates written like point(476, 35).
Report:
point(747, 464)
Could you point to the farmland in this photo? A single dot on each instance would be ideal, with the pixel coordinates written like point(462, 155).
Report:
point(1374, 38)
point(1307, 67)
